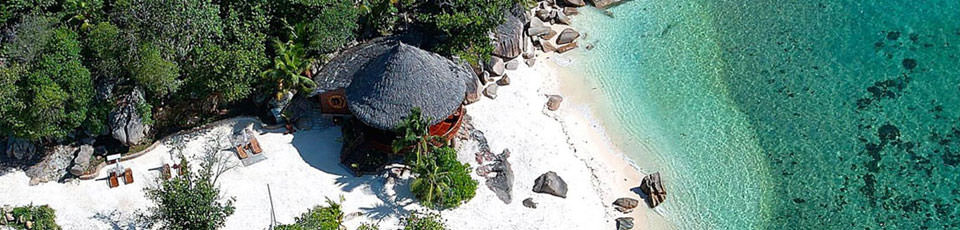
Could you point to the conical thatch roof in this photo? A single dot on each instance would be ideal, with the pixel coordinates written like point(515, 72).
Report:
point(387, 87)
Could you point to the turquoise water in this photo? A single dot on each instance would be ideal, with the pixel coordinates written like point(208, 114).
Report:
point(787, 114)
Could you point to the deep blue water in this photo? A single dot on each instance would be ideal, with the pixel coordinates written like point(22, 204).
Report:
point(787, 114)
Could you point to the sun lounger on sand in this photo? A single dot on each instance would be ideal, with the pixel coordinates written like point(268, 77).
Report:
point(128, 176)
point(112, 180)
point(241, 153)
point(255, 145)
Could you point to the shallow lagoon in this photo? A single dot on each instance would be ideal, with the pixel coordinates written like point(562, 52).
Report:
point(786, 114)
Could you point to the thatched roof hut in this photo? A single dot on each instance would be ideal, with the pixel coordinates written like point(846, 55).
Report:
point(388, 86)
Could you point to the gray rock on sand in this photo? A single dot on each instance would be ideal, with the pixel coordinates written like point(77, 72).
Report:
point(529, 203)
point(550, 183)
point(568, 35)
point(626, 204)
point(495, 66)
point(624, 223)
point(485, 78)
point(547, 46)
point(82, 161)
point(531, 61)
point(603, 4)
point(505, 80)
point(491, 91)
point(562, 18)
point(653, 187)
point(545, 15)
point(512, 64)
point(21, 149)
point(550, 35)
point(537, 28)
point(553, 102)
point(570, 11)
point(577, 3)
point(567, 47)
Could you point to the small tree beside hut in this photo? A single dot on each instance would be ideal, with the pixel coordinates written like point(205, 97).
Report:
point(441, 181)
point(192, 200)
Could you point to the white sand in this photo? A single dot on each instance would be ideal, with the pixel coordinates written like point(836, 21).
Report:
point(303, 169)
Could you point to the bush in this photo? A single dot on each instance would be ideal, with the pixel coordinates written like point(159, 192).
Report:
point(466, 24)
point(190, 201)
point(329, 217)
point(442, 182)
point(368, 226)
point(151, 71)
point(419, 221)
point(43, 217)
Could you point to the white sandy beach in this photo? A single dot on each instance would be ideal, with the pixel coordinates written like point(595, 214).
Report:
point(303, 169)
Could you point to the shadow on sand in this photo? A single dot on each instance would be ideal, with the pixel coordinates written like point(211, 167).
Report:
point(320, 148)
point(121, 221)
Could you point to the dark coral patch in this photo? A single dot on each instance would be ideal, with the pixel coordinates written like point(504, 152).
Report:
point(893, 35)
point(909, 63)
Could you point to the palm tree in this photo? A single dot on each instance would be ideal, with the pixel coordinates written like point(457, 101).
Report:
point(289, 67)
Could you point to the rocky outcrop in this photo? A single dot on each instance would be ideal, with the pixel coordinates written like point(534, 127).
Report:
point(575, 3)
point(82, 161)
point(512, 64)
point(624, 223)
point(20, 149)
point(53, 167)
point(562, 18)
point(653, 187)
point(529, 203)
point(125, 121)
point(568, 35)
point(567, 47)
point(505, 80)
point(625, 204)
point(604, 4)
point(509, 35)
point(550, 183)
point(491, 91)
point(553, 102)
point(496, 168)
point(495, 66)
point(536, 28)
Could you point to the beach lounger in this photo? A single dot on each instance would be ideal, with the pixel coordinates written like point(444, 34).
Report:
point(112, 181)
point(128, 176)
point(241, 153)
point(255, 145)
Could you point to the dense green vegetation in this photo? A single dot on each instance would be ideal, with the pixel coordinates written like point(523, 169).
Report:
point(420, 221)
point(64, 63)
point(441, 181)
point(328, 217)
point(190, 201)
point(40, 217)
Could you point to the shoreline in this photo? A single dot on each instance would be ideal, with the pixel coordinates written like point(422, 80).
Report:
point(582, 113)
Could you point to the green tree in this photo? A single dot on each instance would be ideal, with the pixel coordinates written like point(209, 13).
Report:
point(175, 26)
point(155, 74)
point(288, 68)
point(52, 85)
point(420, 221)
point(191, 201)
point(104, 52)
point(12, 10)
point(320, 26)
point(441, 181)
point(328, 217)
